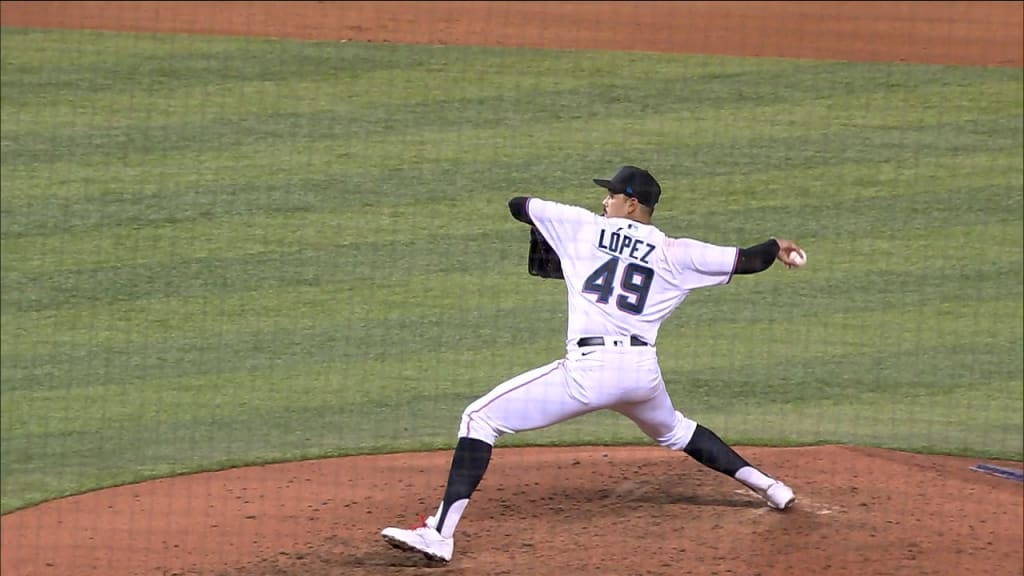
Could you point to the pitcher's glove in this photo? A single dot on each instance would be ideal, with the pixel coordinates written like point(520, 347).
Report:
point(543, 260)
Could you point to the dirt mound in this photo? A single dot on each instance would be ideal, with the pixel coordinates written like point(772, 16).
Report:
point(539, 511)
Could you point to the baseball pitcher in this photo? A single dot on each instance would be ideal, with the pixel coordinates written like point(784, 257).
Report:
point(623, 277)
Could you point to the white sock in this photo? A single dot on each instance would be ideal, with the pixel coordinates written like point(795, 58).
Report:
point(452, 520)
point(432, 520)
point(754, 478)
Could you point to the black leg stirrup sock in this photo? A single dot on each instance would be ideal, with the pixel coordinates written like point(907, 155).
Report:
point(708, 449)
point(468, 466)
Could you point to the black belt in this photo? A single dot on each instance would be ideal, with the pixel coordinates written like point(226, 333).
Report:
point(599, 341)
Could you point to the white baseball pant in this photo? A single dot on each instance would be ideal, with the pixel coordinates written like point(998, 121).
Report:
point(615, 376)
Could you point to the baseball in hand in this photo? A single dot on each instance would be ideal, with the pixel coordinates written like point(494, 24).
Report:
point(799, 257)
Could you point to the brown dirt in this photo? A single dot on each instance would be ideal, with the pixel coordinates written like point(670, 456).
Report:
point(971, 33)
point(589, 510)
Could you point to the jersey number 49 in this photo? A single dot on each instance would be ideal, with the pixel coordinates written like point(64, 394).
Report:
point(635, 284)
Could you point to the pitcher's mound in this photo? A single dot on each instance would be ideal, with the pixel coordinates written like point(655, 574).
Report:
point(589, 510)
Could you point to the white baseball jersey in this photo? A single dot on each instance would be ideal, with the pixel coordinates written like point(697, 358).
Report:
point(625, 278)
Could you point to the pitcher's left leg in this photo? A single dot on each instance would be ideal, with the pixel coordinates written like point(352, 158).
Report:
point(535, 399)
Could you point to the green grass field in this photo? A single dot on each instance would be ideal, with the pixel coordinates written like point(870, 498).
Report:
point(227, 251)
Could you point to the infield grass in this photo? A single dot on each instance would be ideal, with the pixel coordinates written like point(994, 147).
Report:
point(226, 251)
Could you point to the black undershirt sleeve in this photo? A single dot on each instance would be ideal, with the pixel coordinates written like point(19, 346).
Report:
point(517, 206)
point(757, 258)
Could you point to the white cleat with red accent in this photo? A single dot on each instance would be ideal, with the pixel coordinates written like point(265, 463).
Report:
point(423, 539)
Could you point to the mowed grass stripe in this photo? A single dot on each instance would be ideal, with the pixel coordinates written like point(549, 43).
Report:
point(352, 78)
point(340, 262)
point(896, 279)
point(732, 119)
point(930, 336)
point(231, 234)
point(478, 121)
point(317, 199)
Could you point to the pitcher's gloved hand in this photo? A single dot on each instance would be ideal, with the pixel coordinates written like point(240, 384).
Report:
point(543, 260)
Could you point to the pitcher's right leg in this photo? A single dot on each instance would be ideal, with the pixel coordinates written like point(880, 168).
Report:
point(711, 451)
point(667, 426)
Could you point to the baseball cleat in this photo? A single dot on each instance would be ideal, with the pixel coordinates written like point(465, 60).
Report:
point(423, 539)
point(778, 495)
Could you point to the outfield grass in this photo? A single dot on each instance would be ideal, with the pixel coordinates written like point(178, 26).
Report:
point(224, 251)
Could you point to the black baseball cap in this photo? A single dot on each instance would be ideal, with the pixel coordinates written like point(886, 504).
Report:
point(635, 183)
